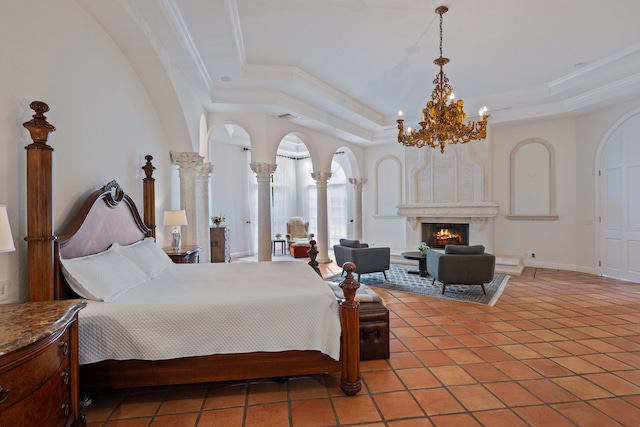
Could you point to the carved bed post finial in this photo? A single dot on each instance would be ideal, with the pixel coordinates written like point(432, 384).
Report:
point(40, 238)
point(350, 318)
point(149, 200)
point(38, 126)
point(313, 254)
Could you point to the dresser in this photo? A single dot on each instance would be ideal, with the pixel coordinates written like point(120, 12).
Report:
point(220, 249)
point(39, 364)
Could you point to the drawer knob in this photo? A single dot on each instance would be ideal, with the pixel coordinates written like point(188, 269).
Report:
point(65, 410)
point(4, 394)
point(65, 348)
point(65, 378)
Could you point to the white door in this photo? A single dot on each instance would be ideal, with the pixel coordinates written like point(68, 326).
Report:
point(619, 189)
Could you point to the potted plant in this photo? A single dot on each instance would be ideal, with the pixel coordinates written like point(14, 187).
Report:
point(423, 247)
point(218, 219)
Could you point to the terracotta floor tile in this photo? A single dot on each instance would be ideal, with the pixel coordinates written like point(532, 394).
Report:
point(268, 415)
point(382, 381)
point(497, 338)
point(312, 413)
point(512, 394)
point(417, 378)
point(631, 376)
point(374, 365)
point(445, 342)
point(222, 417)
point(356, 409)
point(408, 332)
point(583, 414)
point(520, 351)
point(437, 401)
point(516, 370)
point(613, 384)
point(577, 365)
point(547, 335)
point(485, 372)
point(581, 387)
point(397, 404)
point(606, 362)
point(574, 348)
point(599, 345)
point(404, 360)
point(492, 354)
point(138, 405)
point(418, 344)
point(618, 409)
point(462, 356)
point(434, 358)
point(548, 368)
point(542, 416)
point(307, 388)
point(548, 391)
point(475, 397)
point(266, 392)
point(454, 420)
point(499, 418)
point(184, 400)
point(547, 349)
point(415, 422)
point(472, 341)
point(452, 375)
point(179, 420)
point(130, 422)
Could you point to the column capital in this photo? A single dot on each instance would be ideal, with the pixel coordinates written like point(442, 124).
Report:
point(187, 160)
point(358, 183)
point(204, 170)
point(321, 178)
point(263, 171)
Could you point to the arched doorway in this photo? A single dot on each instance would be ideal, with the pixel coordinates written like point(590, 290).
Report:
point(619, 201)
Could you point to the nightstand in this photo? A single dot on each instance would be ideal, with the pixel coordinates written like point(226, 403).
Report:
point(186, 254)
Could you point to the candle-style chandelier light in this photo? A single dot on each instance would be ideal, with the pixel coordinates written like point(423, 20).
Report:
point(443, 123)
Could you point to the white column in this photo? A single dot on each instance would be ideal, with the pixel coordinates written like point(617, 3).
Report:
point(188, 163)
point(357, 209)
point(321, 179)
point(263, 173)
point(202, 210)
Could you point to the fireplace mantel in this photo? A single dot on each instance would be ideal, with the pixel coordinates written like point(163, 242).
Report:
point(449, 210)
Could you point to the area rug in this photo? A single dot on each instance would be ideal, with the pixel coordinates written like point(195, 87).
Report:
point(401, 280)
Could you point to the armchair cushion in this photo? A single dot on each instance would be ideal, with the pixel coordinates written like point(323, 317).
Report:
point(464, 250)
point(350, 243)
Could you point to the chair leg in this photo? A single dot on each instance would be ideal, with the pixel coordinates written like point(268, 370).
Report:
point(444, 287)
point(358, 277)
point(433, 281)
point(483, 291)
point(385, 275)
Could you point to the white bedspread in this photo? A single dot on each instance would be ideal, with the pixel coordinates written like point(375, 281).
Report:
point(201, 309)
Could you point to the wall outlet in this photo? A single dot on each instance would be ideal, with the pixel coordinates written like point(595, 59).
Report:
point(533, 255)
point(4, 291)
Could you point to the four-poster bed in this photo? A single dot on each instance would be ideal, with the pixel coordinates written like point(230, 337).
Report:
point(109, 218)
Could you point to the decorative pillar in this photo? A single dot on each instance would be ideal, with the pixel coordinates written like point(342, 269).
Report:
point(188, 163)
point(203, 173)
point(263, 173)
point(40, 238)
point(321, 179)
point(149, 188)
point(357, 210)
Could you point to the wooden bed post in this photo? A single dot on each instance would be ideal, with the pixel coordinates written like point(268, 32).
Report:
point(149, 201)
point(350, 348)
point(40, 238)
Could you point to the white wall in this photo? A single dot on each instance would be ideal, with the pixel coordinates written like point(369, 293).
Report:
point(552, 242)
point(106, 123)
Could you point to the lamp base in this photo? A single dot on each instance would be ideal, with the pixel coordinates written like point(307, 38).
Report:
point(175, 240)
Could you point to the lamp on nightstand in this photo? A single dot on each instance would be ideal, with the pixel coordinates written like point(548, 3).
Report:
point(175, 219)
point(6, 239)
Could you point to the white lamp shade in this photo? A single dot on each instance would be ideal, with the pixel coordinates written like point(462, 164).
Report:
point(6, 239)
point(175, 218)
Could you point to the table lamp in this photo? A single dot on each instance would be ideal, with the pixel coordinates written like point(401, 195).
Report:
point(175, 219)
point(6, 239)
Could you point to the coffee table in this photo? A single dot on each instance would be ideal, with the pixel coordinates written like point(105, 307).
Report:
point(422, 262)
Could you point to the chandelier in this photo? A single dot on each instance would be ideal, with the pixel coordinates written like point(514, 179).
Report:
point(443, 123)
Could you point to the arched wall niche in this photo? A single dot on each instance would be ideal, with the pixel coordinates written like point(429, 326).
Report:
point(532, 178)
point(388, 186)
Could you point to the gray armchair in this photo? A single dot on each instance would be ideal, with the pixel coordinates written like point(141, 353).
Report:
point(461, 265)
point(366, 259)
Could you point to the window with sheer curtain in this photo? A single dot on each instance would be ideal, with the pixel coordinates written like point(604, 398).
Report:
point(337, 204)
point(283, 194)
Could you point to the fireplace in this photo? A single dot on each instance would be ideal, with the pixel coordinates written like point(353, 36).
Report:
point(438, 235)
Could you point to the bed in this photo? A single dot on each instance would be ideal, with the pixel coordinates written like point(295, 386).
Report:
point(297, 326)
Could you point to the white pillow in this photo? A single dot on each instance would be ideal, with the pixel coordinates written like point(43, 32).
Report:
point(146, 255)
point(103, 276)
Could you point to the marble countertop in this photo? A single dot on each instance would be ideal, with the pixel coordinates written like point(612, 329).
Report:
point(24, 323)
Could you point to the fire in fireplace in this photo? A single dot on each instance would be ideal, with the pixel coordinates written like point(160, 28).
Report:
point(438, 235)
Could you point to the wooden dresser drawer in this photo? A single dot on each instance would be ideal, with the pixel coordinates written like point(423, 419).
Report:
point(49, 405)
point(30, 374)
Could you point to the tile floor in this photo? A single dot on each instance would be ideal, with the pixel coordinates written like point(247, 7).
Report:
point(558, 349)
